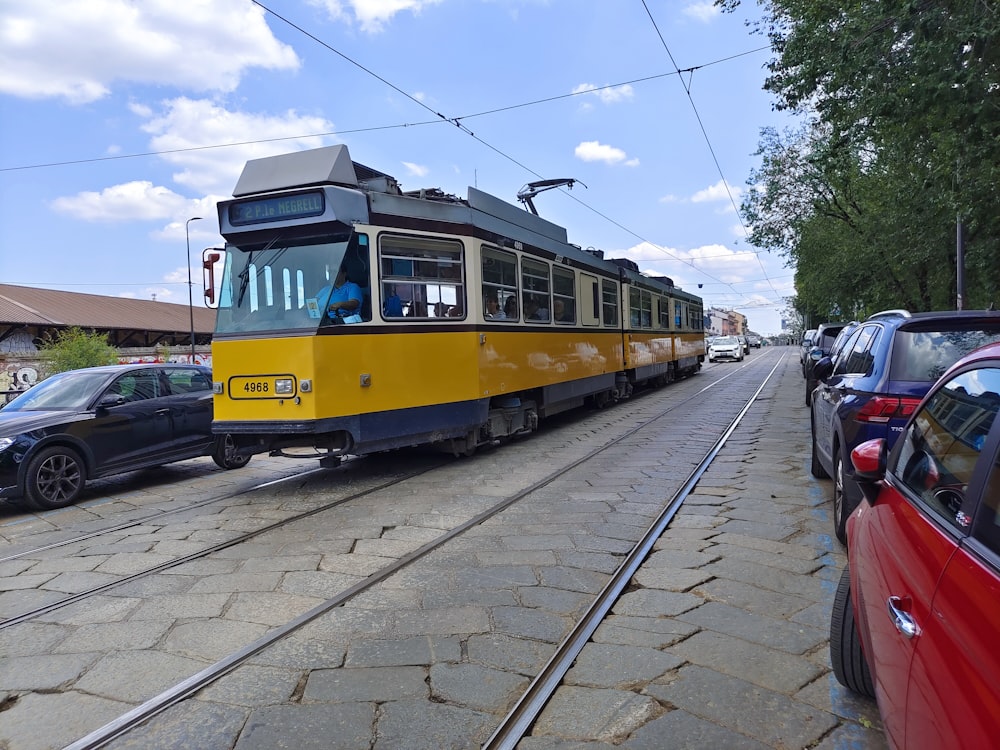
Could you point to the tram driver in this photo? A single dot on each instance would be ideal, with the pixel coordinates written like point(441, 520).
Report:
point(345, 299)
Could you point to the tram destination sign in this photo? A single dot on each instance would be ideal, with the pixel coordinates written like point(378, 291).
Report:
point(280, 208)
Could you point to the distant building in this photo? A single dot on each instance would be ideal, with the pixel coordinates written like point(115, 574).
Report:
point(141, 330)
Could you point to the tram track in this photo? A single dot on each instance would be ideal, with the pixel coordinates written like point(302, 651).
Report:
point(208, 550)
point(517, 723)
point(242, 538)
point(192, 685)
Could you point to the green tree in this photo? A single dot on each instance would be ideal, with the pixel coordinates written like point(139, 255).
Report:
point(903, 138)
point(73, 348)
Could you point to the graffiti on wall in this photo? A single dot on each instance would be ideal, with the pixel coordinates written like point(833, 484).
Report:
point(17, 378)
point(200, 358)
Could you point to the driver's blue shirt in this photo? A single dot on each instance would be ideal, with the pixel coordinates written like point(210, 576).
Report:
point(347, 291)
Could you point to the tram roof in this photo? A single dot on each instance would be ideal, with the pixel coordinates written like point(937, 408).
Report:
point(333, 165)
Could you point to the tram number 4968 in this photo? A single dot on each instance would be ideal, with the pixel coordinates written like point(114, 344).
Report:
point(256, 386)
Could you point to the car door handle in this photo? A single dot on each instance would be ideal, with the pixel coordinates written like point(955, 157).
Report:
point(162, 411)
point(904, 623)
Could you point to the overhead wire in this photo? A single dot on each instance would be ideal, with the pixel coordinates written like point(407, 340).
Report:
point(458, 122)
point(704, 132)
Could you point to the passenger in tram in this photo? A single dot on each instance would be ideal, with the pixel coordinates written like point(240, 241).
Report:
point(560, 313)
point(533, 309)
point(393, 306)
point(493, 308)
point(510, 308)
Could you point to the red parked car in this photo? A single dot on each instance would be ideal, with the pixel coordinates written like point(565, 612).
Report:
point(916, 619)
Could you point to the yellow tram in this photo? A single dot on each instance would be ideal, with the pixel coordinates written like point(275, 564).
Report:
point(354, 317)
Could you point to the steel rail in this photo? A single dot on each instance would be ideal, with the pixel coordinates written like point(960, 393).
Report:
point(188, 687)
point(520, 718)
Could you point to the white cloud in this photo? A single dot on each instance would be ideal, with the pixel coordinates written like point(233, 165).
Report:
point(607, 94)
point(185, 124)
point(371, 15)
point(720, 191)
point(669, 199)
point(75, 49)
point(417, 170)
point(704, 11)
point(131, 201)
point(717, 261)
point(596, 151)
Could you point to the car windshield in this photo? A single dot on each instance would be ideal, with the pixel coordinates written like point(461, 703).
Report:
point(724, 340)
point(923, 356)
point(68, 391)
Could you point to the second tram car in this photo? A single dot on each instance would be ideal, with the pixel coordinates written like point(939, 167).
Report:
point(467, 320)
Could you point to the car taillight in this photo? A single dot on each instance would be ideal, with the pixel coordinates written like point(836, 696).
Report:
point(880, 409)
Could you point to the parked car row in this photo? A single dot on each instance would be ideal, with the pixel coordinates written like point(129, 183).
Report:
point(94, 422)
point(874, 380)
point(916, 617)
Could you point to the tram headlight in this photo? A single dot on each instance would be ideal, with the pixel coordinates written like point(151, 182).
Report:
point(284, 386)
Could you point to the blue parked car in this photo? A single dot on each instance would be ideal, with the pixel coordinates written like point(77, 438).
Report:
point(876, 382)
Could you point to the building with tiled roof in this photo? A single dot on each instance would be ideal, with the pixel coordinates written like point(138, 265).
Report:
point(127, 322)
point(138, 329)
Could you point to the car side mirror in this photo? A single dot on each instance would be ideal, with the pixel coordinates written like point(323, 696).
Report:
point(110, 399)
point(869, 461)
point(823, 368)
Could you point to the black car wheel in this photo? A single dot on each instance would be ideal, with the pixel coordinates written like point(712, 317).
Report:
point(846, 656)
point(55, 478)
point(225, 456)
point(840, 509)
point(816, 468)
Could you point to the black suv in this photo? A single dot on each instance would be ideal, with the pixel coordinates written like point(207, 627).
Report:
point(825, 344)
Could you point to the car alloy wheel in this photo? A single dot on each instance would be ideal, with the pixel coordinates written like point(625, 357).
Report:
point(55, 478)
point(839, 505)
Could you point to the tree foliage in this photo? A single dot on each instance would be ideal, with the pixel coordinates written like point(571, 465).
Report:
point(902, 105)
point(73, 348)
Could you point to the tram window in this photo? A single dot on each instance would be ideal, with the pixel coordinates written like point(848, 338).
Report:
point(421, 277)
point(535, 290)
point(696, 318)
point(590, 300)
point(640, 307)
point(678, 315)
point(664, 312)
point(563, 296)
point(609, 302)
point(499, 284)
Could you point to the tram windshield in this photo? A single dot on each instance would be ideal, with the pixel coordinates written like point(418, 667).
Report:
point(286, 284)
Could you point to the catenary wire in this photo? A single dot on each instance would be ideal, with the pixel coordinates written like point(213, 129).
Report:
point(458, 122)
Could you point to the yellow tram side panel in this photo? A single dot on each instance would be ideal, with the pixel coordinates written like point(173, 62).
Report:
point(361, 374)
point(646, 349)
point(513, 361)
point(689, 344)
point(350, 374)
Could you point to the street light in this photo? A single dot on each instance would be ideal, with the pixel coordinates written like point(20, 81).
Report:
point(187, 234)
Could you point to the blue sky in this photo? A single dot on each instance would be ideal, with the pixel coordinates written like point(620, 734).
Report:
point(121, 120)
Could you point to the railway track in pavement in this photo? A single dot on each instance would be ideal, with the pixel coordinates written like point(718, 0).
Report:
point(410, 530)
